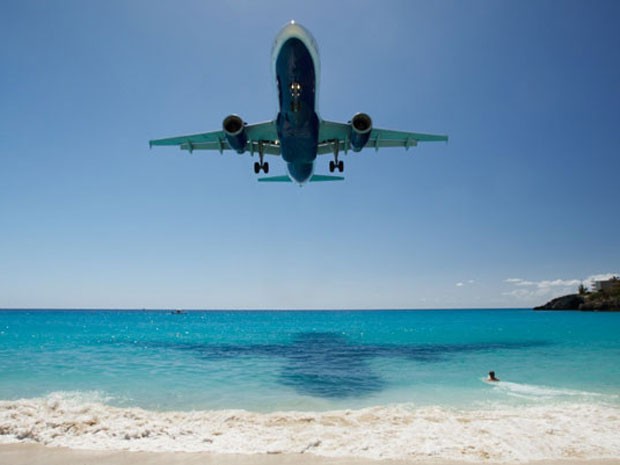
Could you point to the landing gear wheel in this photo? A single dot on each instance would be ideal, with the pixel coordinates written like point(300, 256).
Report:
point(336, 164)
point(266, 167)
point(256, 167)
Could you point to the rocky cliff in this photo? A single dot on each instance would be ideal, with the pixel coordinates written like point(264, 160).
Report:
point(601, 301)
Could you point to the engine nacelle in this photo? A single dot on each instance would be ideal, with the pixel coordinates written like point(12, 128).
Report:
point(361, 126)
point(234, 128)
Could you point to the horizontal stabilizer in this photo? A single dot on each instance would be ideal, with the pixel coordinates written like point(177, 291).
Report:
point(314, 178)
point(323, 177)
point(275, 179)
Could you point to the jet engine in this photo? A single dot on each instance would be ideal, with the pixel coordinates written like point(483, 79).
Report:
point(234, 128)
point(361, 125)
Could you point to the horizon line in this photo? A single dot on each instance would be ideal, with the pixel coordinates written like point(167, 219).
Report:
point(170, 309)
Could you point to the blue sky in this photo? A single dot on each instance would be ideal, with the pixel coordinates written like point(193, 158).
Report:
point(520, 206)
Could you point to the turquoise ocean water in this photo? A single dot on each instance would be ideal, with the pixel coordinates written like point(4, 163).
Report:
point(82, 367)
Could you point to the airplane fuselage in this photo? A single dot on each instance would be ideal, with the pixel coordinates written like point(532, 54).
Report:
point(296, 67)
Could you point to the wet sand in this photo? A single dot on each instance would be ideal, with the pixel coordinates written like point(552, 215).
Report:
point(34, 454)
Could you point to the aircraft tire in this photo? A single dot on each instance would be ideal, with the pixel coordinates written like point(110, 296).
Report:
point(266, 167)
point(256, 167)
point(341, 166)
point(331, 166)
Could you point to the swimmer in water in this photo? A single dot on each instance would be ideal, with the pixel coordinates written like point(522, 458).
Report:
point(492, 377)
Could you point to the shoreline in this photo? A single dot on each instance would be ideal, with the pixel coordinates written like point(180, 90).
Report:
point(37, 454)
point(396, 434)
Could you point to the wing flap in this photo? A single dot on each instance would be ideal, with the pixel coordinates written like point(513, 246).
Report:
point(388, 135)
point(205, 138)
point(220, 145)
point(328, 147)
point(271, 148)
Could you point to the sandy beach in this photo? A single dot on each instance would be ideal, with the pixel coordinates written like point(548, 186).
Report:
point(34, 454)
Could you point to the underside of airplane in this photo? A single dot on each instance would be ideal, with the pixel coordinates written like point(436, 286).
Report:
point(298, 134)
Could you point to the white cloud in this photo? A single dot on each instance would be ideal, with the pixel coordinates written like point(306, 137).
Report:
point(545, 284)
point(519, 282)
point(460, 284)
point(558, 283)
point(549, 288)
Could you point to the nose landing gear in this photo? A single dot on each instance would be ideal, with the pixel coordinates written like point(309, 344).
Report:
point(295, 96)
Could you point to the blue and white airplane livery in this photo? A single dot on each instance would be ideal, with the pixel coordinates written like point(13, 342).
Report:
point(298, 134)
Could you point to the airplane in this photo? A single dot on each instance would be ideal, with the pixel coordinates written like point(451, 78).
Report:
point(298, 134)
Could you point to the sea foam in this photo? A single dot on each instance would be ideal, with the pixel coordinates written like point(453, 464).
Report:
point(492, 433)
point(545, 393)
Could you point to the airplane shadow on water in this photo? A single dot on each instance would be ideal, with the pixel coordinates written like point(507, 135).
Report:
point(326, 364)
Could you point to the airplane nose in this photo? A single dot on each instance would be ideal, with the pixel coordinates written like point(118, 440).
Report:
point(295, 30)
point(289, 29)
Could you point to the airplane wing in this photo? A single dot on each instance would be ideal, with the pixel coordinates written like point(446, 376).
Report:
point(331, 133)
point(264, 134)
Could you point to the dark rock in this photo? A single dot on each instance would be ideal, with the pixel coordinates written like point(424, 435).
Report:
point(601, 301)
point(604, 304)
point(567, 302)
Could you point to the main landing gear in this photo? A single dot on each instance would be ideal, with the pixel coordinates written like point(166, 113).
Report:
point(335, 164)
point(262, 165)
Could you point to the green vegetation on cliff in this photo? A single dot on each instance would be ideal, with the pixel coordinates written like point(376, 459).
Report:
point(603, 300)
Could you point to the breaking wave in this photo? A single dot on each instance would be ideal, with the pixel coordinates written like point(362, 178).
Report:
point(495, 433)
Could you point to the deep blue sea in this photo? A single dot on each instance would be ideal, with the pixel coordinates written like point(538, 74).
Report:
point(100, 369)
